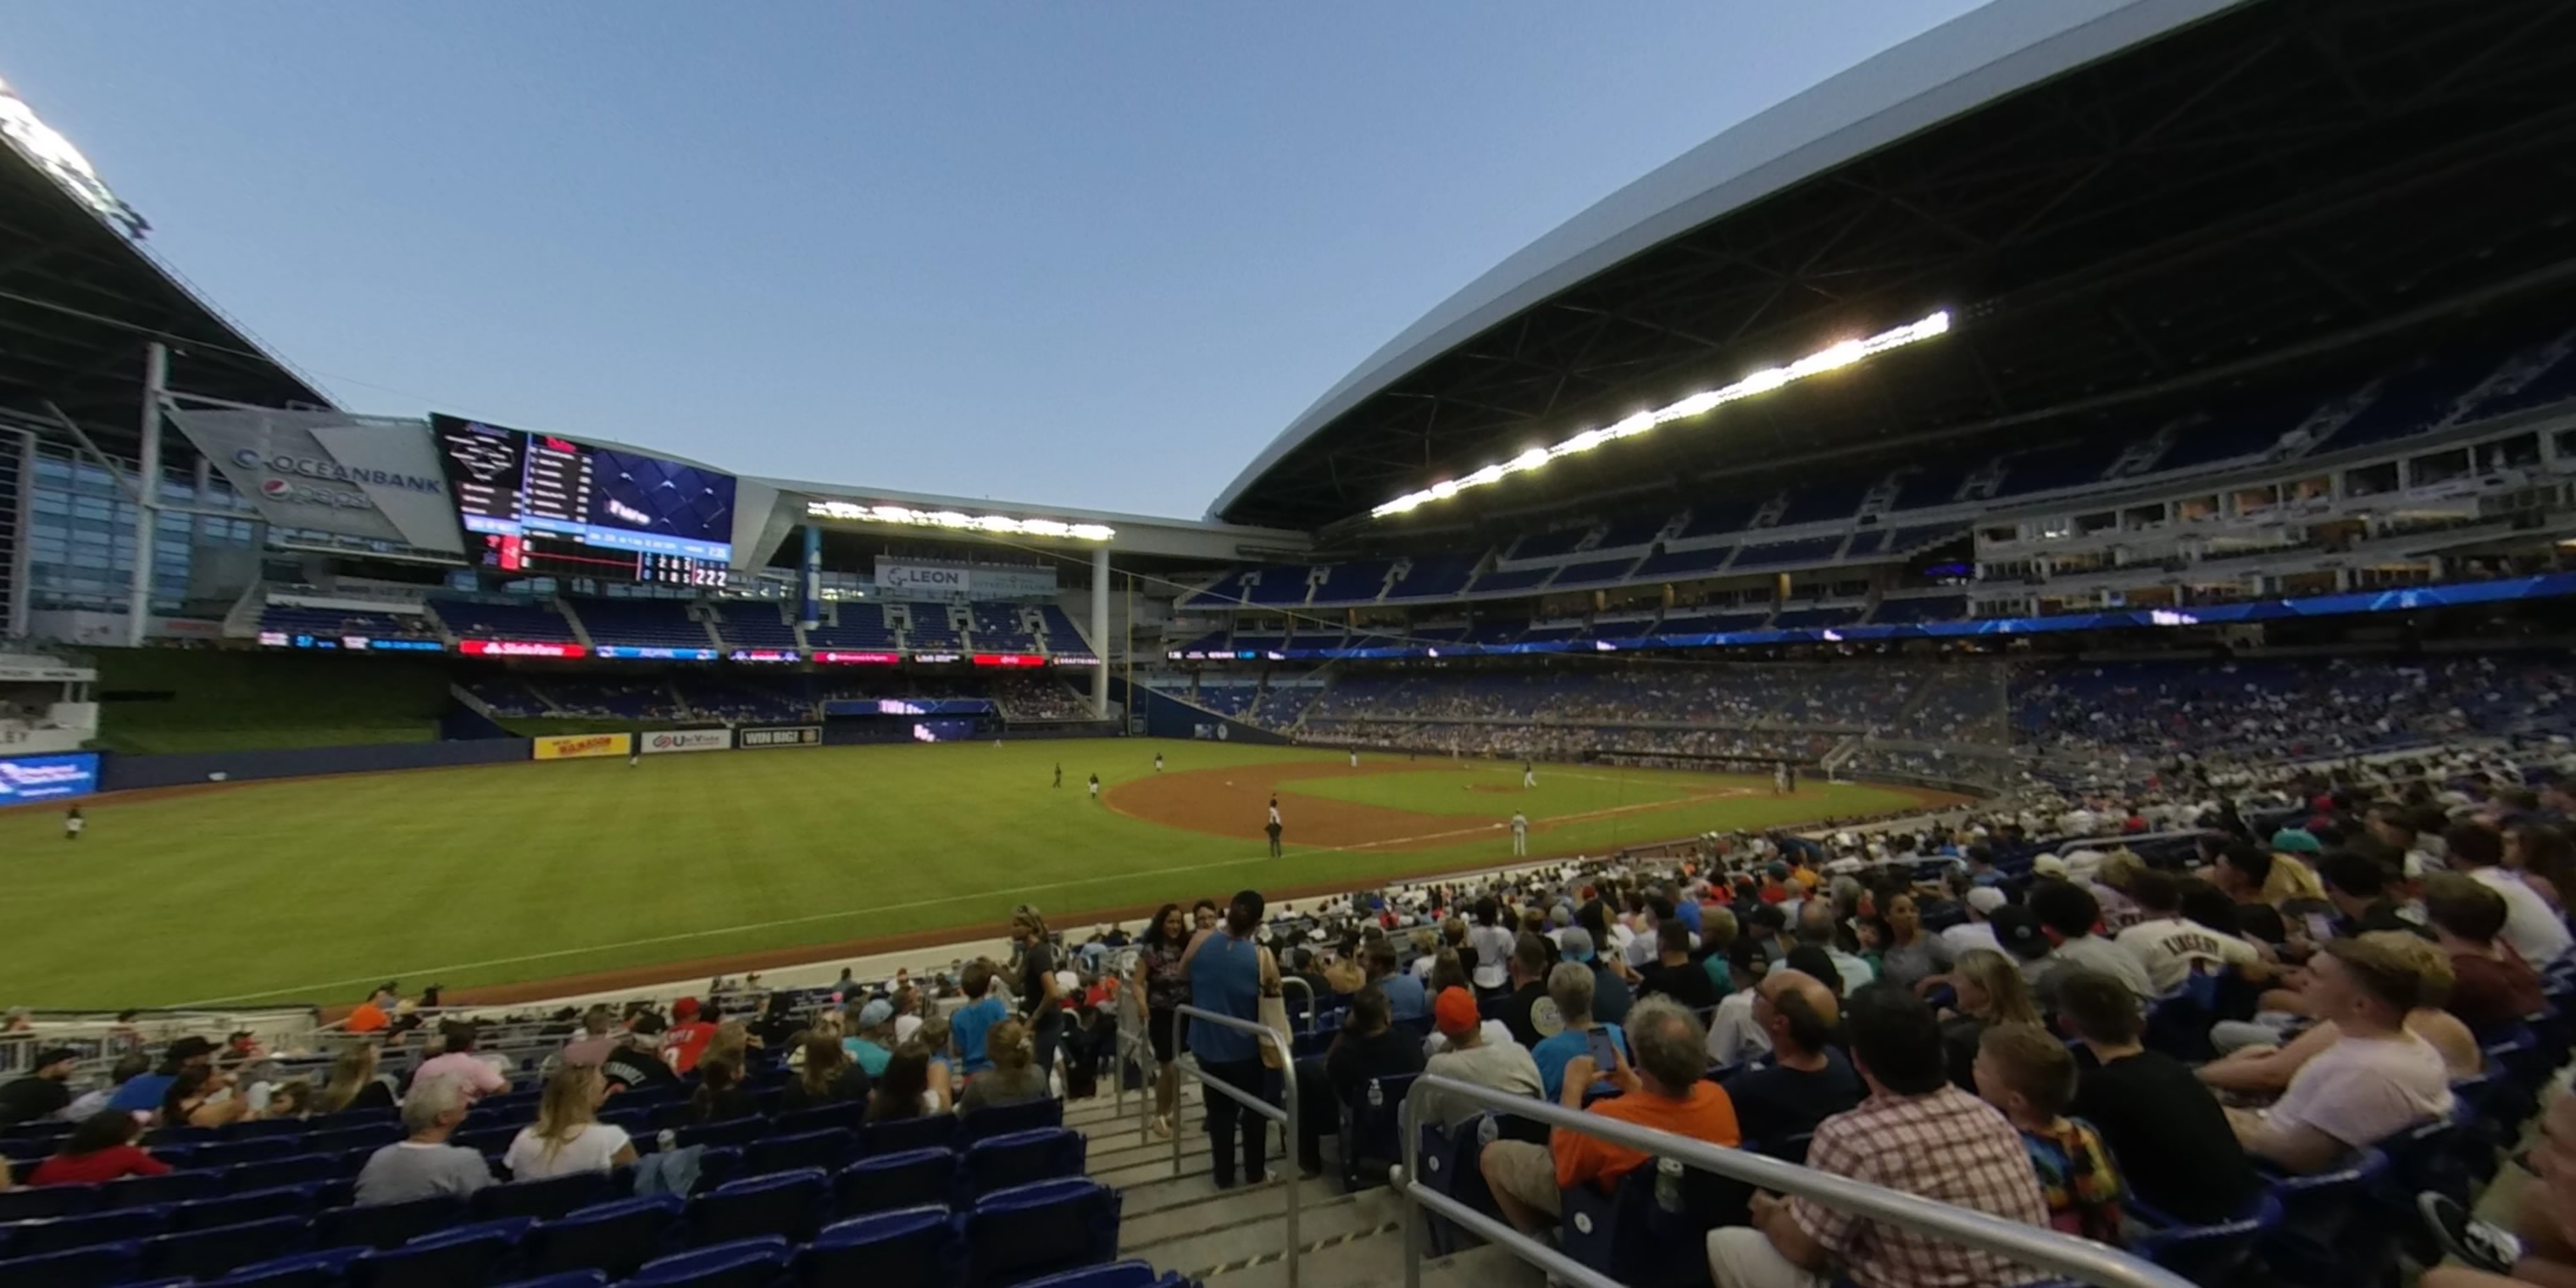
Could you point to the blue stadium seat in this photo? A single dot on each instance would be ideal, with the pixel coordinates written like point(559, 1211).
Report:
point(462, 1257)
point(546, 1199)
point(826, 1149)
point(736, 1132)
point(887, 1181)
point(319, 1269)
point(2207, 1254)
point(907, 1133)
point(1003, 1120)
point(257, 1149)
point(567, 1279)
point(1117, 1274)
point(743, 1263)
point(144, 1191)
point(252, 1205)
point(30, 1202)
point(789, 1204)
point(615, 1238)
point(796, 1122)
point(211, 1253)
point(341, 1140)
point(1038, 1229)
point(912, 1245)
point(1627, 1235)
point(385, 1225)
point(294, 1169)
point(1448, 1161)
point(40, 1236)
point(103, 1263)
point(1020, 1158)
point(1370, 1136)
point(2329, 1235)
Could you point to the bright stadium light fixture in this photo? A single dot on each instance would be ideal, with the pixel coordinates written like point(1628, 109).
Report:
point(1831, 358)
point(997, 524)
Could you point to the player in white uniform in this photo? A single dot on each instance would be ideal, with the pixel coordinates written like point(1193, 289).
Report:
point(1780, 778)
point(1095, 787)
point(1158, 762)
point(1529, 775)
point(73, 823)
point(1520, 833)
point(1355, 758)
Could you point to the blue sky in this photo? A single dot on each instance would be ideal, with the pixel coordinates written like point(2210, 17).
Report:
point(1083, 254)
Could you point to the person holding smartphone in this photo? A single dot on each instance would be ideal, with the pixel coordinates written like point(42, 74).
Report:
point(1579, 1036)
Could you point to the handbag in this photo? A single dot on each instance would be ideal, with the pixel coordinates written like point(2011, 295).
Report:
point(1273, 1013)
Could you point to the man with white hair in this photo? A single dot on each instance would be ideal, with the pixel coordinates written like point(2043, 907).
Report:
point(423, 1164)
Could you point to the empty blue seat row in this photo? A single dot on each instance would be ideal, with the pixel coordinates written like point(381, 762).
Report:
point(1006, 1238)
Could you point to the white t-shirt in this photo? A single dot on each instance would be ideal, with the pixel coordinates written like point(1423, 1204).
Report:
point(905, 1026)
point(2529, 925)
point(1495, 1031)
point(2172, 947)
point(2364, 1090)
point(1504, 1066)
point(590, 1150)
point(1493, 945)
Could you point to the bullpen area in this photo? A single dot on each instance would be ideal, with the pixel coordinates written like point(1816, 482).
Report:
point(521, 880)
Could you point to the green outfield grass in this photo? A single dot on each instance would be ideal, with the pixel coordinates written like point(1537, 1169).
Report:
point(311, 890)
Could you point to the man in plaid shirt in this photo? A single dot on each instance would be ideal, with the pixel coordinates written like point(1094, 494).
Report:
point(1915, 1133)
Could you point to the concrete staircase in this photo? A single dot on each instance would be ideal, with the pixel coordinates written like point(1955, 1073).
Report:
point(1239, 1238)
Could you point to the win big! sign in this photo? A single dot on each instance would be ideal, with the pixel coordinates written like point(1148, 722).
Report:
point(786, 736)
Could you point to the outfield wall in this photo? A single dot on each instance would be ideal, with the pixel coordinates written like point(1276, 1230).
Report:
point(128, 773)
point(1169, 717)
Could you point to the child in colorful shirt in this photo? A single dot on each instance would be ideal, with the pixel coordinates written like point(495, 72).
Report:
point(2028, 1074)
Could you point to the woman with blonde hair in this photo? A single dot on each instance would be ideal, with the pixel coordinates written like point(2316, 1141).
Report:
point(1991, 991)
point(353, 1083)
point(1014, 1077)
point(568, 1136)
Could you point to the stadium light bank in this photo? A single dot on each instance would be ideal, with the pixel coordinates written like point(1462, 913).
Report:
point(1764, 381)
point(957, 521)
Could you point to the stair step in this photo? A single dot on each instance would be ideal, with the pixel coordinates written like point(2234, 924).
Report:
point(1252, 1226)
point(1192, 1205)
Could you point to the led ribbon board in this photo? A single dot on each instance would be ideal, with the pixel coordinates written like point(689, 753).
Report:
point(1764, 381)
point(957, 521)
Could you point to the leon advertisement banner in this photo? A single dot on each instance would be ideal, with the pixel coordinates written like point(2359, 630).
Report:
point(582, 746)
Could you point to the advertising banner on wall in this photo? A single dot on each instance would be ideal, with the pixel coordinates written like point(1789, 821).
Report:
point(783, 736)
point(377, 479)
point(26, 780)
point(662, 740)
point(582, 746)
point(932, 581)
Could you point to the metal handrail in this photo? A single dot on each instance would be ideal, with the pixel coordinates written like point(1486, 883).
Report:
point(2048, 1250)
point(1286, 1117)
point(1286, 982)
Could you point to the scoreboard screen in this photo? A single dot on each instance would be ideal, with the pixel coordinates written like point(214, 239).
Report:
point(543, 505)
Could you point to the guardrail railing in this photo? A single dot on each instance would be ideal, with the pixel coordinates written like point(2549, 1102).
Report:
point(1284, 1113)
point(2046, 1250)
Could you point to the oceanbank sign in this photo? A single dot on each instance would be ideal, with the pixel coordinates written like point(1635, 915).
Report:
point(376, 479)
point(285, 472)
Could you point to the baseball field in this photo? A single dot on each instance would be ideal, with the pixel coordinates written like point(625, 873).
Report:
point(517, 881)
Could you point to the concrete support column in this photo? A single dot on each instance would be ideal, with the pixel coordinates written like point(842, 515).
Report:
point(1100, 632)
point(147, 509)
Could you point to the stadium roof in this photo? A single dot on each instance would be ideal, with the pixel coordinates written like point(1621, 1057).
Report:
point(80, 298)
point(2112, 197)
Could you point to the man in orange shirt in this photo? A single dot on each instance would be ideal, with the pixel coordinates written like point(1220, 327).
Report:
point(1664, 1090)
